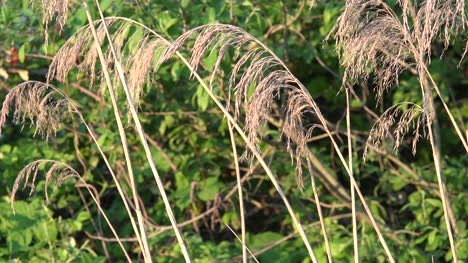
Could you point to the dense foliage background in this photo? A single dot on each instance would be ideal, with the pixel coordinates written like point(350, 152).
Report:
point(190, 140)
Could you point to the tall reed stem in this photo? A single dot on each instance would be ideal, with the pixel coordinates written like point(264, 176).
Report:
point(447, 109)
point(239, 190)
point(350, 164)
point(142, 236)
point(319, 211)
point(434, 139)
point(141, 133)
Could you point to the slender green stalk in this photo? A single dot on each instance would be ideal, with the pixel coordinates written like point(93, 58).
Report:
point(239, 190)
point(447, 109)
point(319, 211)
point(350, 159)
point(142, 235)
point(434, 139)
point(141, 133)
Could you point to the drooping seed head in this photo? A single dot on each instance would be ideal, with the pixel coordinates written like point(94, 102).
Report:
point(40, 104)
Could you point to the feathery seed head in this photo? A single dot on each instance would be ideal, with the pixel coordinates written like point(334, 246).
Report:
point(55, 172)
point(396, 122)
point(372, 38)
point(263, 80)
point(41, 104)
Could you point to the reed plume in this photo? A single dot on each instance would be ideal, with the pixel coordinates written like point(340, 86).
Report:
point(33, 101)
point(55, 172)
point(50, 9)
point(80, 52)
point(372, 38)
point(257, 67)
point(58, 173)
point(396, 122)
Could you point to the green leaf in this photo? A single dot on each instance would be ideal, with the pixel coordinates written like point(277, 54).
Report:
point(265, 238)
point(231, 219)
point(19, 240)
point(203, 98)
point(83, 216)
point(21, 53)
point(105, 4)
point(46, 231)
point(397, 183)
point(209, 189)
point(184, 3)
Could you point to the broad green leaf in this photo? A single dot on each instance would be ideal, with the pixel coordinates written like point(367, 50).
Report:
point(209, 188)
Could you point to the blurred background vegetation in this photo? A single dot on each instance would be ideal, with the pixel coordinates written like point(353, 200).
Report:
point(190, 141)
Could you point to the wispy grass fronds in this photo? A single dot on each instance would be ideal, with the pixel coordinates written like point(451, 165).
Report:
point(80, 52)
point(258, 68)
point(37, 103)
point(372, 38)
point(58, 173)
point(55, 172)
point(140, 64)
point(395, 123)
point(432, 18)
point(53, 8)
